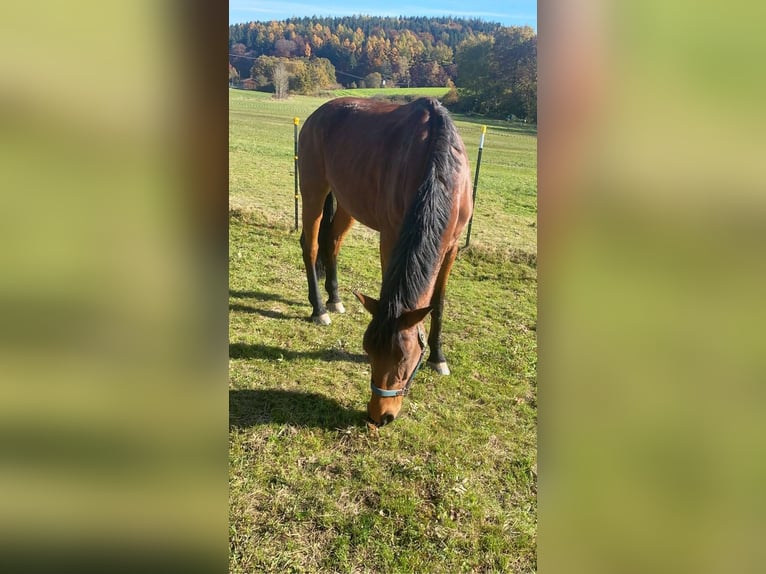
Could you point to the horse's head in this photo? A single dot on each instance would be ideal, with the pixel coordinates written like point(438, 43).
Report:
point(396, 348)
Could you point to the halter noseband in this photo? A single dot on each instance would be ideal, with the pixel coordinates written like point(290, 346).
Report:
point(406, 389)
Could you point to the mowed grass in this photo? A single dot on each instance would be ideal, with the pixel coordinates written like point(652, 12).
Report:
point(450, 486)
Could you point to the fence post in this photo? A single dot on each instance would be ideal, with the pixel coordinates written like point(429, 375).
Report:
point(296, 121)
point(475, 183)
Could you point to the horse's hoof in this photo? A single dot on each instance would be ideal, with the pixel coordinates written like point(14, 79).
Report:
point(323, 319)
point(440, 368)
point(336, 307)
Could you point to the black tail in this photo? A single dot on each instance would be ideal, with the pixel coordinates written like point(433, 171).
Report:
point(324, 236)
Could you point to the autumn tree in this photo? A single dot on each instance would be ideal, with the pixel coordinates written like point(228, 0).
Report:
point(428, 74)
point(472, 59)
point(514, 60)
point(373, 80)
point(298, 75)
point(285, 48)
point(240, 59)
point(233, 75)
point(497, 75)
point(312, 75)
point(359, 45)
point(494, 67)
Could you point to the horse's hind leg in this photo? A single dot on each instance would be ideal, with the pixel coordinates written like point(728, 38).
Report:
point(313, 202)
point(436, 359)
point(341, 224)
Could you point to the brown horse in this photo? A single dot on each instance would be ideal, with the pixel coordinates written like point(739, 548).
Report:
point(403, 171)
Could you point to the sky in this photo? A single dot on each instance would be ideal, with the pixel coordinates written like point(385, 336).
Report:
point(507, 12)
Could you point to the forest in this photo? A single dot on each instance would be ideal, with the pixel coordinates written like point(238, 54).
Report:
point(492, 69)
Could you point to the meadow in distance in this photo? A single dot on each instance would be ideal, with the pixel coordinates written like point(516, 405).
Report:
point(451, 485)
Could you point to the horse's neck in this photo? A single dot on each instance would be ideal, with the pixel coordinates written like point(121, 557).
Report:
point(394, 302)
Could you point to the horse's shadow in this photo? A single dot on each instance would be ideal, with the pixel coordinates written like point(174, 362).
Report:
point(249, 408)
point(262, 297)
point(271, 353)
point(271, 314)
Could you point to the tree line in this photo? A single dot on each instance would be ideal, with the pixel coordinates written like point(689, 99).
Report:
point(491, 68)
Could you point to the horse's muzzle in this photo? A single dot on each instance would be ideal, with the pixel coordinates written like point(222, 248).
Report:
point(387, 418)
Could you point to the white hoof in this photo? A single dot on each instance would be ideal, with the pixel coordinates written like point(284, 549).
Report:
point(323, 319)
point(440, 368)
point(336, 307)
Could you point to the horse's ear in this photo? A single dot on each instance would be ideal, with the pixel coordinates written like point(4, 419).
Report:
point(369, 303)
point(411, 318)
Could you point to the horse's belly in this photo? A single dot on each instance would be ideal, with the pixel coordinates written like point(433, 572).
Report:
point(364, 208)
point(367, 221)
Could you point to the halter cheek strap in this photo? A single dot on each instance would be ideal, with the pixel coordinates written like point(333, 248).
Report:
point(406, 389)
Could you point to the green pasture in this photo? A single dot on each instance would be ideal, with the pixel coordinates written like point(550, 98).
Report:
point(451, 485)
point(372, 92)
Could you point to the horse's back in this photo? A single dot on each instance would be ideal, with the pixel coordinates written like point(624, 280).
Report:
point(372, 153)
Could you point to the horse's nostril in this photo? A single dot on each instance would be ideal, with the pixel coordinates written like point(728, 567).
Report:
point(386, 419)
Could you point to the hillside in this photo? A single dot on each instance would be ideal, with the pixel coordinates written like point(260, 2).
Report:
point(494, 67)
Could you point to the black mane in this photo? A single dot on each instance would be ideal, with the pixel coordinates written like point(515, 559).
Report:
point(415, 256)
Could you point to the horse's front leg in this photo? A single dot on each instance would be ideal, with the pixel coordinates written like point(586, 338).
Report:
point(436, 360)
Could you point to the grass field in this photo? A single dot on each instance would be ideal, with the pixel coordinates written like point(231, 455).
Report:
point(371, 92)
point(451, 485)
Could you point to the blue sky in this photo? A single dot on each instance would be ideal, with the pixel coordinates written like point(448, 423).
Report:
point(507, 12)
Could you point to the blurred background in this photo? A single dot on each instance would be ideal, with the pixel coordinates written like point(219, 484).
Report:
point(113, 295)
point(113, 289)
point(652, 227)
